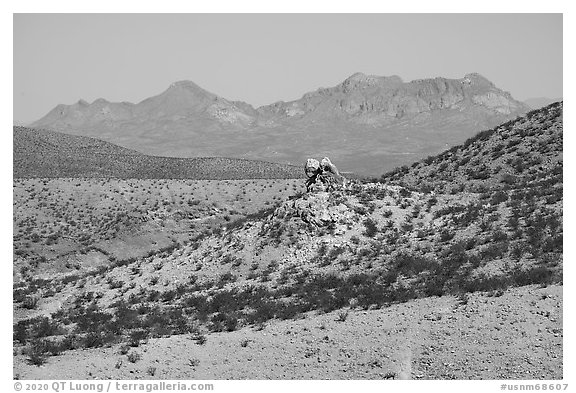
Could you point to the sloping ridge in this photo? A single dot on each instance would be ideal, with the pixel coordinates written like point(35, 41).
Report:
point(44, 153)
point(521, 153)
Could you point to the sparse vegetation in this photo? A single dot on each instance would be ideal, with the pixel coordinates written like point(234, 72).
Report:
point(134, 357)
point(342, 316)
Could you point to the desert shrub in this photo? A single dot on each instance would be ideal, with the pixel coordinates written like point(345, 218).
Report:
point(406, 226)
point(226, 278)
point(409, 264)
point(168, 296)
point(43, 327)
point(134, 357)
point(534, 275)
point(463, 298)
point(432, 201)
point(422, 233)
point(446, 235)
point(224, 301)
point(223, 322)
point(342, 316)
point(70, 342)
point(231, 323)
point(116, 284)
point(93, 340)
point(553, 244)
point(452, 209)
point(499, 197)
point(485, 225)
point(30, 302)
point(90, 319)
point(335, 252)
point(136, 336)
point(467, 244)
point(20, 332)
point(494, 250)
point(288, 310)
point(405, 193)
point(513, 222)
point(228, 258)
point(486, 283)
point(200, 339)
point(37, 352)
point(499, 236)
point(124, 349)
point(265, 310)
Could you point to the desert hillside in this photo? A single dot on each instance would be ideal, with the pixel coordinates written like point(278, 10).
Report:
point(522, 154)
point(386, 279)
point(68, 225)
point(48, 154)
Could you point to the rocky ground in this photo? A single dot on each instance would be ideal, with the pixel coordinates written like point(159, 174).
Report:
point(512, 335)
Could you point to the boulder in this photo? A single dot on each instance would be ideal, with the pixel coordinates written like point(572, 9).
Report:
point(319, 209)
point(322, 176)
point(311, 167)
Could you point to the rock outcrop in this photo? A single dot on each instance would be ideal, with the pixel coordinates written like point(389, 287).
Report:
point(318, 209)
point(322, 176)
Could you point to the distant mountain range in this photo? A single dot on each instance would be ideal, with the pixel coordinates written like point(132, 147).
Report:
point(366, 124)
point(43, 153)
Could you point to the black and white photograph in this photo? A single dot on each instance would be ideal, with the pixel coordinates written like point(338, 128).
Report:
point(287, 196)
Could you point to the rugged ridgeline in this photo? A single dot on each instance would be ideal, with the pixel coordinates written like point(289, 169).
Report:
point(526, 153)
point(368, 124)
point(361, 246)
point(42, 153)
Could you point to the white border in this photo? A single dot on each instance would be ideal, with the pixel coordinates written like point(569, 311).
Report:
point(292, 6)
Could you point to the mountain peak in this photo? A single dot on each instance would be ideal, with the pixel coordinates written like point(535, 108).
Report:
point(360, 80)
point(186, 88)
point(360, 77)
point(357, 76)
point(475, 75)
point(477, 79)
point(185, 84)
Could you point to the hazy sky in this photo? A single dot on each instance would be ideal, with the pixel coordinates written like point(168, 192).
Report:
point(263, 58)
